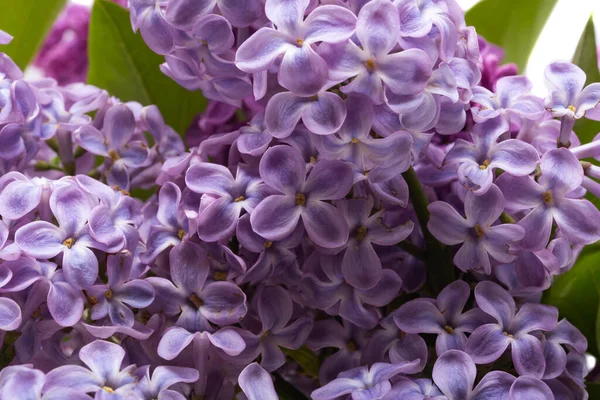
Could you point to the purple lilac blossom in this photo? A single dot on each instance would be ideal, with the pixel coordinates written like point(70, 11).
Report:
point(361, 168)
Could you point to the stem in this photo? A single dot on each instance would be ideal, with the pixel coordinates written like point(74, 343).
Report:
point(440, 268)
point(65, 151)
point(566, 126)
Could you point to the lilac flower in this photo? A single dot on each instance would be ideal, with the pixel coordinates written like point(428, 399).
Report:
point(322, 114)
point(443, 317)
point(40, 239)
point(567, 97)
point(477, 161)
point(23, 382)
point(10, 314)
point(176, 339)
point(64, 301)
point(293, 39)
point(115, 144)
point(511, 99)
point(227, 197)
point(491, 70)
point(362, 382)
point(454, 374)
point(417, 389)
point(361, 266)
point(283, 168)
point(183, 14)
point(549, 199)
point(163, 377)
point(370, 64)
point(149, 18)
point(554, 354)
point(255, 138)
point(275, 311)
point(275, 256)
point(188, 293)
point(256, 383)
point(120, 292)
point(488, 342)
point(481, 239)
point(103, 373)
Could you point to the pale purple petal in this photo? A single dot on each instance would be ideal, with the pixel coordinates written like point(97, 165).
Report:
point(287, 15)
point(256, 383)
point(419, 316)
point(173, 342)
point(534, 317)
point(446, 224)
point(283, 112)
point(329, 23)
point(283, 168)
point(19, 198)
point(454, 374)
point(336, 388)
point(40, 239)
point(261, 50)
point(528, 356)
point(361, 266)
point(224, 303)
point(561, 171)
point(324, 224)
point(65, 303)
point(80, 266)
point(241, 12)
point(538, 227)
point(228, 340)
point(495, 301)
point(71, 207)
point(103, 358)
point(485, 208)
point(494, 385)
point(218, 220)
point(378, 27)
point(189, 266)
point(527, 388)
point(325, 115)
point(10, 314)
point(276, 217)
point(578, 220)
point(407, 72)
point(302, 71)
point(514, 156)
point(487, 343)
point(329, 180)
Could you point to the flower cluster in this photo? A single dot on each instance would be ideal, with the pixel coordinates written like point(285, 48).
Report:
point(369, 208)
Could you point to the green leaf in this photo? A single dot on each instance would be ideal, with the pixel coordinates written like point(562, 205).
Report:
point(306, 358)
point(586, 57)
point(576, 294)
point(593, 390)
point(122, 63)
point(285, 390)
point(513, 24)
point(28, 21)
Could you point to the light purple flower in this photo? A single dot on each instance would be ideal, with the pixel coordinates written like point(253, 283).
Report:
point(370, 63)
point(302, 70)
point(114, 143)
point(513, 329)
point(322, 114)
point(184, 13)
point(566, 334)
point(454, 374)
point(103, 373)
point(24, 382)
point(549, 199)
point(511, 99)
point(163, 377)
point(443, 317)
point(363, 383)
point(361, 266)
point(226, 197)
point(149, 18)
point(40, 239)
point(478, 160)
point(283, 168)
point(480, 238)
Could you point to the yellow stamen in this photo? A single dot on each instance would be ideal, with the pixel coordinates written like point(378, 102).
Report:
point(220, 276)
point(114, 155)
point(196, 300)
point(69, 242)
point(508, 334)
point(108, 389)
point(485, 164)
point(355, 141)
point(479, 231)
point(181, 234)
point(300, 199)
point(351, 346)
point(449, 329)
point(370, 64)
point(108, 294)
point(572, 109)
point(268, 244)
point(361, 232)
point(547, 196)
point(241, 198)
point(300, 42)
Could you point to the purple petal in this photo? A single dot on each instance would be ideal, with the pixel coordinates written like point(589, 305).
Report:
point(329, 180)
point(361, 266)
point(216, 32)
point(283, 112)
point(555, 358)
point(40, 239)
point(224, 303)
point(406, 72)
point(209, 178)
point(75, 377)
point(169, 198)
point(18, 198)
point(287, 15)
point(10, 314)
point(487, 343)
point(283, 168)
point(173, 342)
point(156, 31)
point(446, 224)
point(494, 385)
point(119, 124)
point(567, 333)
point(189, 266)
point(71, 207)
point(329, 23)
point(566, 80)
point(454, 374)
point(183, 13)
point(520, 193)
point(485, 208)
point(336, 388)
point(325, 115)
point(80, 266)
point(378, 27)
point(218, 220)
point(11, 141)
point(261, 50)
point(528, 356)
point(241, 12)
point(495, 301)
point(65, 303)
point(419, 316)
point(527, 388)
point(578, 220)
point(256, 383)
point(453, 298)
point(103, 358)
point(137, 293)
point(538, 227)
point(228, 340)
point(274, 307)
point(534, 317)
point(302, 61)
point(473, 255)
point(561, 171)
point(324, 224)
point(164, 377)
point(276, 217)
point(515, 157)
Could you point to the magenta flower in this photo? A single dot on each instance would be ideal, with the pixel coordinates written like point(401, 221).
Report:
point(293, 39)
point(481, 239)
point(515, 329)
point(283, 168)
point(549, 199)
